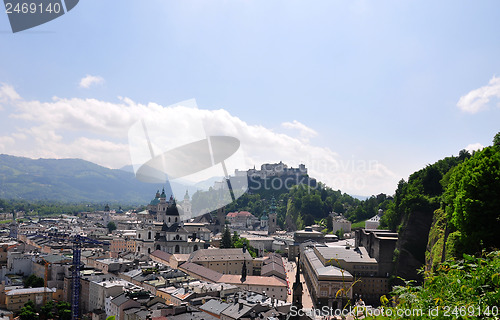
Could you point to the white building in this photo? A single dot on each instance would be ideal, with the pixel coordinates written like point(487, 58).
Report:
point(99, 291)
point(374, 222)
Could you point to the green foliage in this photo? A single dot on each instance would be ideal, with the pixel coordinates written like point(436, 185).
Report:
point(111, 226)
point(360, 224)
point(226, 238)
point(235, 238)
point(28, 312)
point(456, 289)
point(46, 311)
point(329, 223)
point(69, 181)
point(244, 242)
point(340, 234)
point(473, 200)
point(51, 310)
point(496, 140)
point(33, 281)
point(422, 192)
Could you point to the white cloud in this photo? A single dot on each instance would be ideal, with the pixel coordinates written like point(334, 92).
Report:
point(474, 147)
point(478, 99)
point(7, 94)
point(304, 131)
point(5, 143)
point(97, 131)
point(89, 80)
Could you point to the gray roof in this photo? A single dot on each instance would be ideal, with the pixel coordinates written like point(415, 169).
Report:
point(214, 306)
point(237, 310)
point(349, 254)
point(119, 300)
point(161, 255)
point(191, 229)
point(192, 316)
point(270, 267)
point(322, 272)
point(206, 273)
point(132, 310)
point(219, 255)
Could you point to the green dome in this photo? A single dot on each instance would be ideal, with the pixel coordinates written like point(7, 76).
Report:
point(264, 215)
point(155, 201)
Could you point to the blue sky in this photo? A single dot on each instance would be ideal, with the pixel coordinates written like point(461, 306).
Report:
point(356, 81)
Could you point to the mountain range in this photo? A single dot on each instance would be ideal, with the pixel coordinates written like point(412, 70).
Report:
point(75, 180)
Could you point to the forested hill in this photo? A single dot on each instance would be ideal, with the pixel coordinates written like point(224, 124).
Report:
point(447, 209)
point(69, 180)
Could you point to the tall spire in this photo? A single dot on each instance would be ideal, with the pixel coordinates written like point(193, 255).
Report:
point(244, 272)
point(244, 267)
point(297, 287)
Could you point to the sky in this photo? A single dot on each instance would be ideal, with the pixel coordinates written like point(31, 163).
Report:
point(363, 93)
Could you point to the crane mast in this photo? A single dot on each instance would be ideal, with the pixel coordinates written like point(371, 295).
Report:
point(77, 241)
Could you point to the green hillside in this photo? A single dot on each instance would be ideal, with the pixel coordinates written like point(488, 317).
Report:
point(69, 180)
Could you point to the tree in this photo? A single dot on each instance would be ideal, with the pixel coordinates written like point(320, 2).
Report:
point(28, 312)
point(234, 239)
point(226, 239)
point(46, 311)
point(496, 140)
point(473, 200)
point(34, 282)
point(244, 242)
point(340, 234)
point(64, 310)
point(111, 226)
point(329, 223)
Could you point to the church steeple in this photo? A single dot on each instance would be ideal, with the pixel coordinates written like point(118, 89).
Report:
point(297, 287)
point(273, 217)
point(244, 267)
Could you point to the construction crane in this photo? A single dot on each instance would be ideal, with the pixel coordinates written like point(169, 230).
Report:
point(77, 241)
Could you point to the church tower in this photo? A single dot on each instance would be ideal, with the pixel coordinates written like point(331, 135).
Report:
point(272, 222)
point(161, 207)
point(172, 214)
point(185, 207)
point(220, 220)
point(297, 288)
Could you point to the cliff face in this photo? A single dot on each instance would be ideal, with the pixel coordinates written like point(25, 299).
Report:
point(412, 245)
point(436, 251)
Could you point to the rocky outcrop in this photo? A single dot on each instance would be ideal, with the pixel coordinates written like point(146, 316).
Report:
point(412, 245)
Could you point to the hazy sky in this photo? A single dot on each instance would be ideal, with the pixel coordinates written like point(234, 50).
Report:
point(363, 92)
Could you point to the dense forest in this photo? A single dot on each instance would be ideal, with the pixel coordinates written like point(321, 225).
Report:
point(33, 208)
point(301, 205)
point(461, 273)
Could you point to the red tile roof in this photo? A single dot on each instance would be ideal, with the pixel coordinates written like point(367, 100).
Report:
point(239, 214)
